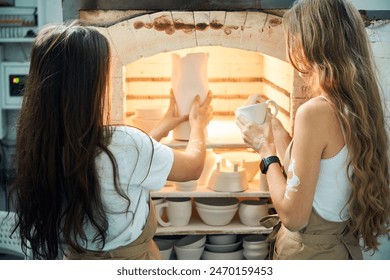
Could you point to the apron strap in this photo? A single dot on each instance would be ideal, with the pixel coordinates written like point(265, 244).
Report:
point(271, 221)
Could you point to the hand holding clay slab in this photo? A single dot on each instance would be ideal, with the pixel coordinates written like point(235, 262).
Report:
point(189, 79)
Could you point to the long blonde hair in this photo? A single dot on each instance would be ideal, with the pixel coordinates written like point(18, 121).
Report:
point(327, 41)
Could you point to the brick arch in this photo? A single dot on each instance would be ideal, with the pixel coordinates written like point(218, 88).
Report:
point(150, 34)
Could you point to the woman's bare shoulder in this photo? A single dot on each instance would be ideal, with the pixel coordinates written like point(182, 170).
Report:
point(314, 110)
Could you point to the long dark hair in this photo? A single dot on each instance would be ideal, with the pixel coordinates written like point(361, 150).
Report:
point(60, 131)
point(343, 67)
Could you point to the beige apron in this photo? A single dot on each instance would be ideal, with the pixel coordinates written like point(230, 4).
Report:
point(319, 240)
point(143, 248)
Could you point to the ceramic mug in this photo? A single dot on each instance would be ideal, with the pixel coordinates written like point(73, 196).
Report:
point(156, 201)
point(257, 112)
point(179, 210)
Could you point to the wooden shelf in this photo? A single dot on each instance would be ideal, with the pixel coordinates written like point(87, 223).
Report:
point(222, 133)
point(196, 226)
point(254, 190)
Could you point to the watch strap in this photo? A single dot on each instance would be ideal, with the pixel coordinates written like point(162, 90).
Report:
point(266, 162)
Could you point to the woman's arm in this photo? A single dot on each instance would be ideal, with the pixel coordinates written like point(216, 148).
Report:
point(188, 165)
point(292, 198)
point(281, 137)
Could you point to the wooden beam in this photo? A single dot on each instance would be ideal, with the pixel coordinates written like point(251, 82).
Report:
point(208, 5)
point(184, 5)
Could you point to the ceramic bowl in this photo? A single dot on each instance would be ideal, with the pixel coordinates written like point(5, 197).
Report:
point(255, 242)
point(259, 246)
point(251, 211)
point(191, 241)
point(149, 112)
point(165, 248)
point(221, 239)
point(188, 253)
point(216, 203)
point(186, 186)
point(216, 217)
point(144, 124)
point(255, 254)
point(224, 248)
point(251, 161)
point(236, 255)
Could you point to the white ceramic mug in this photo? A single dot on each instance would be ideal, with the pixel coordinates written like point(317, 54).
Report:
point(257, 112)
point(179, 210)
point(156, 201)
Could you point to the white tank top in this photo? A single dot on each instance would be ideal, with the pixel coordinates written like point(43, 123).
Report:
point(333, 188)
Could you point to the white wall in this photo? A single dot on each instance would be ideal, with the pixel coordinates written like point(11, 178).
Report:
point(372, 4)
point(379, 35)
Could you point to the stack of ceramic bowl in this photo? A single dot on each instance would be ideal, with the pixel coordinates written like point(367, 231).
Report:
point(255, 247)
point(222, 247)
point(165, 248)
point(190, 247)
point(147, 117)
point(216, 211)
point(221, 239)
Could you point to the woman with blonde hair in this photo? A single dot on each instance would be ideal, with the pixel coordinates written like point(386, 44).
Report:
point(336, 188)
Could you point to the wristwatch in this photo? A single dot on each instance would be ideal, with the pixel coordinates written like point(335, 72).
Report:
point(266, 162)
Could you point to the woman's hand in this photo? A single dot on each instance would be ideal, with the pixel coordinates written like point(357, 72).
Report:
point(169, 121)
point(258, 136)
point(188, 165)
point(201, 114)
point(171, 117)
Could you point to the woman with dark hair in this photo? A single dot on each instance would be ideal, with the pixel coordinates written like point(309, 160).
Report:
point(80, 181)
point(337, 186)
